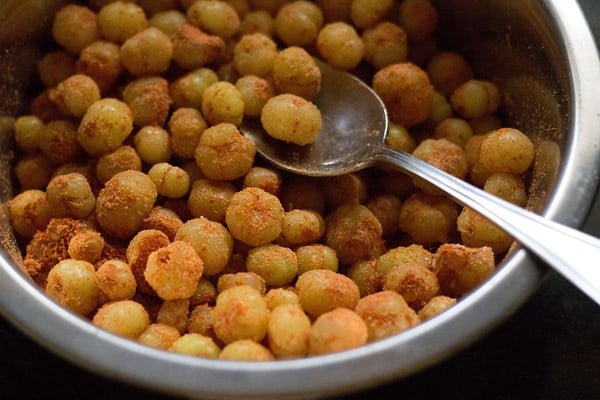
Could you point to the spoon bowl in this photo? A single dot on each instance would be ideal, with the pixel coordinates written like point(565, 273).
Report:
point(355, 124)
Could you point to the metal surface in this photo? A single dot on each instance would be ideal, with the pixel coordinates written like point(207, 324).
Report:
point(350, 141)
point(565, 249)
point(354, 123)
point(543, 56)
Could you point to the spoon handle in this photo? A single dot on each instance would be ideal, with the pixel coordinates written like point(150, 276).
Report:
point(572, 253)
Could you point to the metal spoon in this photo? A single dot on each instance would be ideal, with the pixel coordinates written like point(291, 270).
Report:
point(353, 138)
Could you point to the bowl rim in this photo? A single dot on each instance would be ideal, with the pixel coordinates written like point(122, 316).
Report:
point(75, 339)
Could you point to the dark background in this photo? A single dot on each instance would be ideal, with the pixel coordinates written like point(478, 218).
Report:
point(549, 349)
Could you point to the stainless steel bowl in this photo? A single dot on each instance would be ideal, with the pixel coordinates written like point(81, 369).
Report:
point(543, 56)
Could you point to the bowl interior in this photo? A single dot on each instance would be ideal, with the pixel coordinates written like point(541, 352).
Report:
point(522, 45)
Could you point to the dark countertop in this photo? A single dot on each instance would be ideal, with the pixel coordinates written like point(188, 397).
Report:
point(549, 349)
